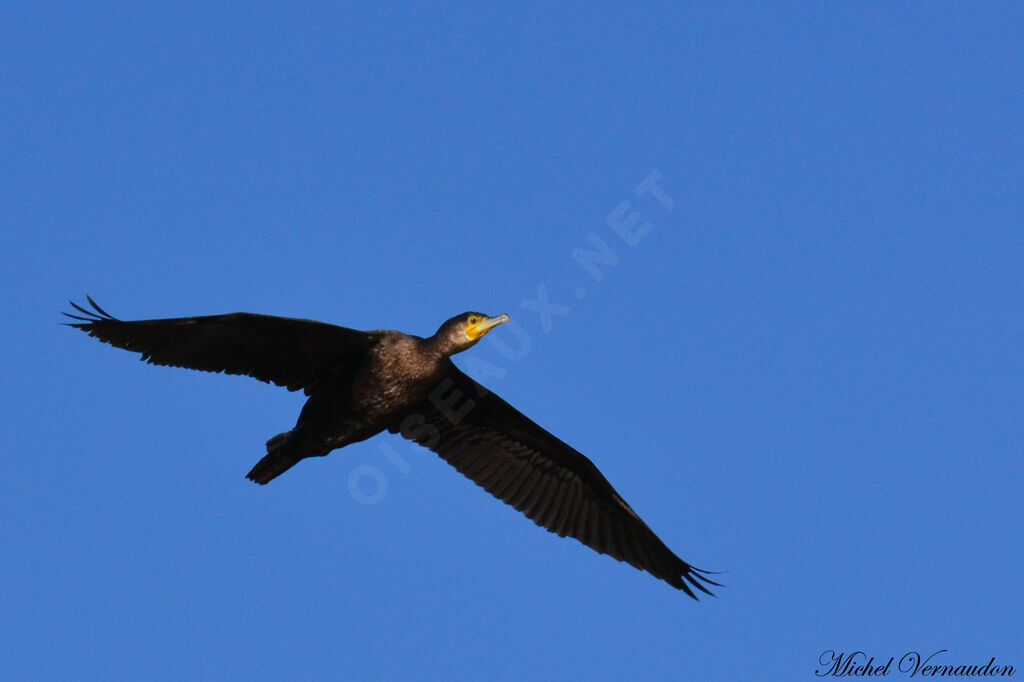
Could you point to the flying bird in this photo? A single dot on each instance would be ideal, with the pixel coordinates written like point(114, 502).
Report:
point(361, 383)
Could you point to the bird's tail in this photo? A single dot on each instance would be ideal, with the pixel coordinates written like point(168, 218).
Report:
point(283, 452)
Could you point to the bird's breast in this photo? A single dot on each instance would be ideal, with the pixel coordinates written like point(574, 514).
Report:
point(396, 376)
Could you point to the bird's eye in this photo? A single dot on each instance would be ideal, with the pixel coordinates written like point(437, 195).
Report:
point(473, 319)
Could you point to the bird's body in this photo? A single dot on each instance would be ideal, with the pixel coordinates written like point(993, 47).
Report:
point(362, 383)
point(356, 400)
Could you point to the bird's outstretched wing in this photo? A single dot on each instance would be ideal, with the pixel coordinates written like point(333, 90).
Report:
point(504, 452)
point(288, 352)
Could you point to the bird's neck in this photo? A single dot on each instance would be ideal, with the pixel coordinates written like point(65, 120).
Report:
point(441, 346)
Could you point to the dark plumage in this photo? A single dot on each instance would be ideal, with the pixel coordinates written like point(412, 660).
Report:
point(361, 383)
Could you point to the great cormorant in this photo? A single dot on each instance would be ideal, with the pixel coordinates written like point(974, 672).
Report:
point(361, 383)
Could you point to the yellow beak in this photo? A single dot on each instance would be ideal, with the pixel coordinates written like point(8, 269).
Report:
point(475, 331)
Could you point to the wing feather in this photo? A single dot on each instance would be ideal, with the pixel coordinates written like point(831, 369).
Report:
point(520, 463)
point(288, 352)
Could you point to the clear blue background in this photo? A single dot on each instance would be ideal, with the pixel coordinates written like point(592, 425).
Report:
point(807, 374)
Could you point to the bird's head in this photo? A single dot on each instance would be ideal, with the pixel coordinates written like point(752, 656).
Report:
point(462, 331)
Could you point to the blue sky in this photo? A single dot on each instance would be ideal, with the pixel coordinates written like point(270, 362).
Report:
point(806, 373)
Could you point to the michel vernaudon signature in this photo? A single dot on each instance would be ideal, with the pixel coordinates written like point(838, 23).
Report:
point(858, 664)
